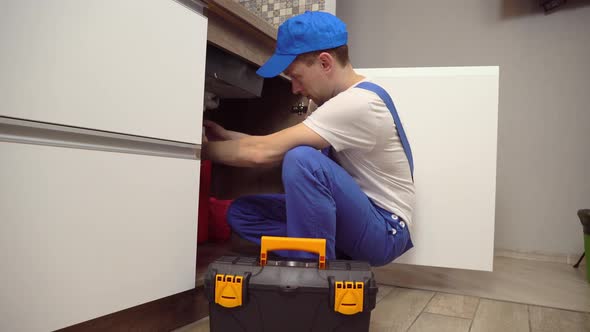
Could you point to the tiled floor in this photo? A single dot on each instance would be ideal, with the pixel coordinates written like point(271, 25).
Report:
point(520, 295)
point(403, 309)
point(546, 284)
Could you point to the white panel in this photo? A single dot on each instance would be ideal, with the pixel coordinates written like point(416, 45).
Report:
point(126, 66)
point(87, 233)
point(451, 117)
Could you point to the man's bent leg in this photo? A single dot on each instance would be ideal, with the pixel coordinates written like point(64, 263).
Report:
point(253, 216)
point(324, 201)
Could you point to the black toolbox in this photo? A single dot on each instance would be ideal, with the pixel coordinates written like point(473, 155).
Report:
point(254, 294)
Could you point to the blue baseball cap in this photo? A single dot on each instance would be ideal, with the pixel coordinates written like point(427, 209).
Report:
point(308, 32)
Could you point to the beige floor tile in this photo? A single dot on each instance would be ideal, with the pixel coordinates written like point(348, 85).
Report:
point(549, 320)
point(453, 305)
point(398, 310)
point(378, 327)
point(428, 322)
point(201, 325)
point(496, 316)
point(546, 284)
point(384, 290)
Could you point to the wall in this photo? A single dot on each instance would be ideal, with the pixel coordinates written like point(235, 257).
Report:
point(543, 173)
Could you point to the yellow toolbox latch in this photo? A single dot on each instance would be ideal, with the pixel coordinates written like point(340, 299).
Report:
point(348, 297)
point(228, 290)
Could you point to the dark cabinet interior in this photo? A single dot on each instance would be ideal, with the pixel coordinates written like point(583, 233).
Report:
point(257, 116)
point(238, 44)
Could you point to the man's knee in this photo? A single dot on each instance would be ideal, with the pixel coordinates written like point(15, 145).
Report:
point(299, 153)
point(297, 159)
point(235, 213)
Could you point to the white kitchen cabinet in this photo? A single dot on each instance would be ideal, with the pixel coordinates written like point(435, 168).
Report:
point(87, 233)
point(129, 66)
point(101, 107)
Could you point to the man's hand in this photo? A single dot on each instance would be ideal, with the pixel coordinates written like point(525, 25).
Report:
point(215, 132)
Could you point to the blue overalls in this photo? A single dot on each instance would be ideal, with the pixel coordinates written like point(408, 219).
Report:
point(322, 200)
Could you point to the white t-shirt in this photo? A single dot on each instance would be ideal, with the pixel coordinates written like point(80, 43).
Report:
point(365, 143)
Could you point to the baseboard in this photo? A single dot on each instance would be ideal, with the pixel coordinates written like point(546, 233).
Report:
point(570, 259)
point(165, 314)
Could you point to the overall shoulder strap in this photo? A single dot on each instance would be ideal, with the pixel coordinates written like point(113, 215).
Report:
point(398, 124)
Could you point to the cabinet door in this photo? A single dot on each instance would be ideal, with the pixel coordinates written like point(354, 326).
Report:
point(87, 233)
point(451, 118)
point(133, 67)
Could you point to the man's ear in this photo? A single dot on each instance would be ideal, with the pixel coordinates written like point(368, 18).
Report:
point(326, 61)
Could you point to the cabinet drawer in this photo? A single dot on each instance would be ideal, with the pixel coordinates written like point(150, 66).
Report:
point(133, 67)
point(87, 233)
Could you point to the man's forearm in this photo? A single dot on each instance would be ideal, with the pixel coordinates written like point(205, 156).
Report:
point(261, 151)
point(224, 152)
point(245, 152)
point(232, 135)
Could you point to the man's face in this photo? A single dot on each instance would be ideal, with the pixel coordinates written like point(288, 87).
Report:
point(309, 81)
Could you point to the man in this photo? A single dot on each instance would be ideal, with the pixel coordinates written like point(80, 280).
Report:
point(360, 196)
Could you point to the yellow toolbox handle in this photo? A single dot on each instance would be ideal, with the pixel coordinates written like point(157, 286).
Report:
point(271, 243)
